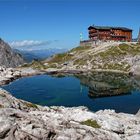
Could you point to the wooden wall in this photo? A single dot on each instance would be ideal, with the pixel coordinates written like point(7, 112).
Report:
point(113, 34)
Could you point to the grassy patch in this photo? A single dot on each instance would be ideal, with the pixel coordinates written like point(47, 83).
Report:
point(80, 62)
point(130, 49)
point(92, 123)
point(121, 50)
point(80, 48)
point(117, 66)
point(53, 65)
point(111, 53)
point(65, 57)
point(37, 65)
point(124, 47)
point(34, 64)
point(25, 65)
point(60, 58)
point(31, 105)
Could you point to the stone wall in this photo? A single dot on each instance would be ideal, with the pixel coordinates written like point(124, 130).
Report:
point(94, 43)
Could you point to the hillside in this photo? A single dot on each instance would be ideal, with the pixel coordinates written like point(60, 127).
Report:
point(112, 56)
point(108, 56)
point(8, 57)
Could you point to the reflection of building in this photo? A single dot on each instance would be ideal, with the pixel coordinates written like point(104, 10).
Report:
point(106, 84)
point(110, 33)
point(93, 93)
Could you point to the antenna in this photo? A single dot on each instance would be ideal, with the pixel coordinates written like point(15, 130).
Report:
point(138, 39)
point(81, 36)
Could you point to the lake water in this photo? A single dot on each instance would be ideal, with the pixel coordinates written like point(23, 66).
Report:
point(94, 90)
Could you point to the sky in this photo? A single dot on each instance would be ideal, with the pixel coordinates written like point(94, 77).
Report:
point(41, 24)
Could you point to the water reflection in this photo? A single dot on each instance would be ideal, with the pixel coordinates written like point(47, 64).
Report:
point(108, 84)
point(121, 92)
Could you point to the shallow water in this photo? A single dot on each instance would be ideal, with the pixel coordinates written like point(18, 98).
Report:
point(94, 90)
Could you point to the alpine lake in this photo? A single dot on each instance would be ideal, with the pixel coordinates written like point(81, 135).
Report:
point(95, 90)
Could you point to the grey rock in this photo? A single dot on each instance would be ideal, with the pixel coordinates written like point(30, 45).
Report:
point(138, 113)
point(22, 120)
point(8, 57)
point(9, 74)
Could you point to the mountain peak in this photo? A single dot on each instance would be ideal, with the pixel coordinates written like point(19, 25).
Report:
point(8, 57)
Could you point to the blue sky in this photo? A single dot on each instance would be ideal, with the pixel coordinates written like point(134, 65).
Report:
point(58, 23)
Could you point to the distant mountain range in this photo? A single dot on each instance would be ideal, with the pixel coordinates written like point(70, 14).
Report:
point(30, 55)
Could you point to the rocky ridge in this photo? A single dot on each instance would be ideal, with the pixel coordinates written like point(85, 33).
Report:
point(23, 120)
point(8, 57)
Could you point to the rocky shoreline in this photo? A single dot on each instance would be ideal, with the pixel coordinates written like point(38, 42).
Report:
point(78, 71)
point(23, 120)
point(7, 75)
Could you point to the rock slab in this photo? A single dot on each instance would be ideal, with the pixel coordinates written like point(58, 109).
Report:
point(23, 120)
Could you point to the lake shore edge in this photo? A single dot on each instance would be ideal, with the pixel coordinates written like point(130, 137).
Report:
point(8, 75)
point(75, 117)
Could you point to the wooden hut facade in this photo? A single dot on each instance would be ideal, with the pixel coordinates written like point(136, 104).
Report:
point(110, 33)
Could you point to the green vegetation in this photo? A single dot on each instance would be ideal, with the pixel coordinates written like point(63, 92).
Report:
point(92, 123)
point(80, 62)
point(121, 50)
point(81, 48)
point(130, 49)
point(60, 58)
point(25, 65)
point(117, 66)
point(53, 65)
point(35, 64)
point(31, 105)
point(111, 58)
point(113, 52)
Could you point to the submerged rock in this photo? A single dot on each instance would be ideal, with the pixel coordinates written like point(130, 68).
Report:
point(23, 120)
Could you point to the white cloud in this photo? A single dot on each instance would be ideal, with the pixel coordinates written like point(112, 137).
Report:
point(28, 43)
